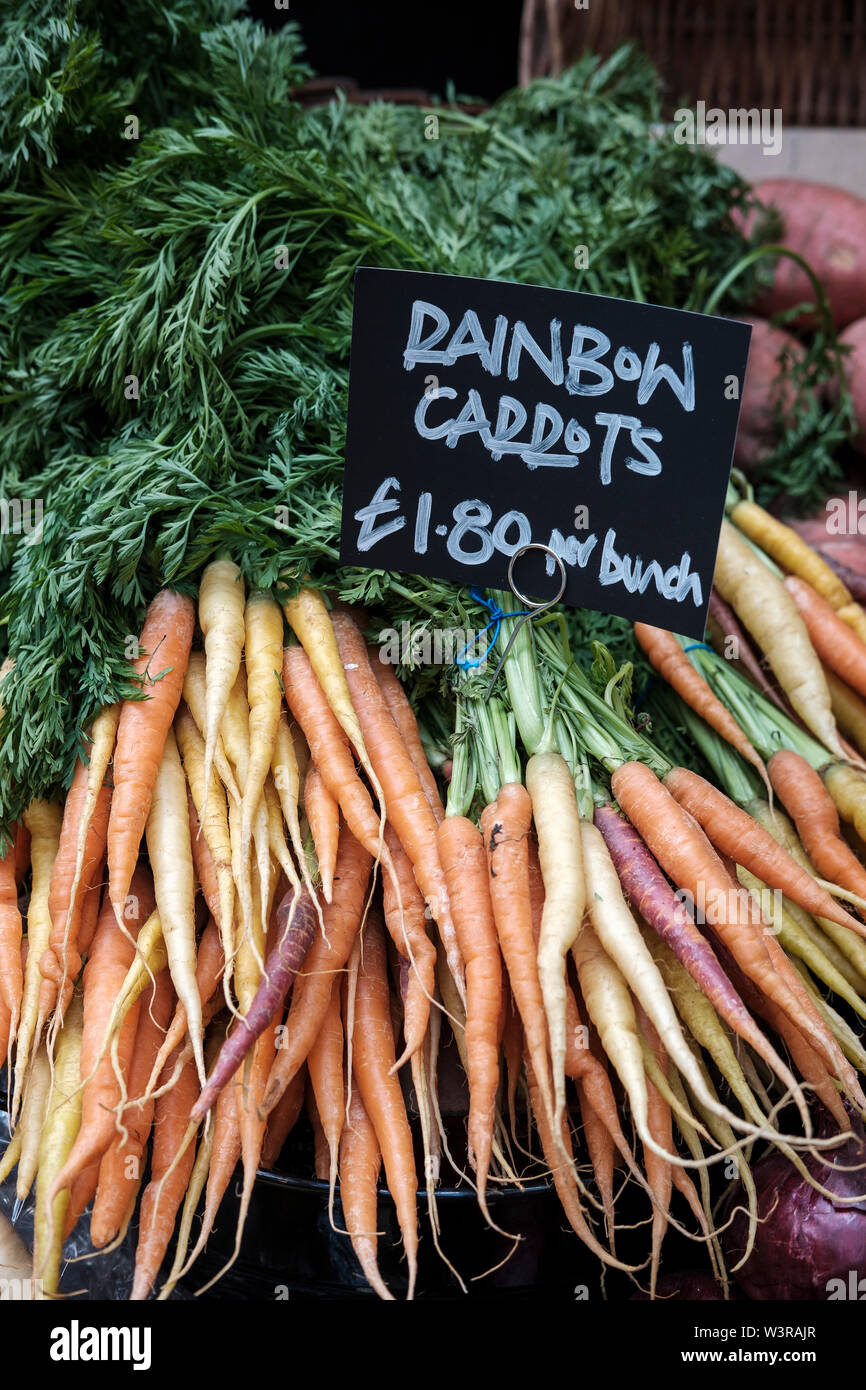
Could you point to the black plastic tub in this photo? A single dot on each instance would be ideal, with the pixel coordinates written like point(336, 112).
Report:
point(290, 1251)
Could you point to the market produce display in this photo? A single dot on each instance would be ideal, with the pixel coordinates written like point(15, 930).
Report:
point(255, 874)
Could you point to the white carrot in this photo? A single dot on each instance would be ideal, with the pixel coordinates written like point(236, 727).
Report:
point(44, 820)
point(213, 819)
point(194, 695)
point(33, 1113)
point(766, 608)
point(264, 663)
point(557, 822)
point(620, 937)
point(221, 618)
point(287, 783)
point(168, 845)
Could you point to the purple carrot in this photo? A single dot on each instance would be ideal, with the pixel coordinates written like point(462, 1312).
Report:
point(855, 583)
point(296, 932)
point(728, 622)
point(655, 901)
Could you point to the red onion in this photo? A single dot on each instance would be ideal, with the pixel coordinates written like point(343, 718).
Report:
point(804, 1240)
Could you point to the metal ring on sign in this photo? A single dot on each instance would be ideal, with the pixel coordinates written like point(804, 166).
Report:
point(534, 608)
point(528, 602)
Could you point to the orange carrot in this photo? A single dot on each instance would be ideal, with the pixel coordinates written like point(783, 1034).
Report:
point(80, 1193)
point(404, 717)
point(251, 1118)
point(323, 818)
point(407, 807)
point(658, 1169)
point(810, 1022)
point(465, 864)
point(311, 623)
point(735, 833)
point(321, 1160)
point(165, 644)
point(11, 973)
point(325, 1064)
point(602, 1156)
point(225, 1152)
point(536, 886)
point(406, 920)
point(808, 1064)
point(209, 966)
point(669, 659)
point(373, 1062)
point(110, 957)
point(61, 961)
point(512, 1051)
point(561, 1172)
point(590, 1072)
point(122, 1164)
point(312, 991)
point(329, 749)
point(837, 644)
point(164, 1193)
point(5, 1029)
point(683, 851)
point(803, 1055)
point(505, 827)
point(90, 912)
point(360, 1162)
point(283, 1118)
point(813, 810)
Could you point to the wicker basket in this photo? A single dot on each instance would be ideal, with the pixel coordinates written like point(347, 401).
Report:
point(320, 90)
point(806, 57)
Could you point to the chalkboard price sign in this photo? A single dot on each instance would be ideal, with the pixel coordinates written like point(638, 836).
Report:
point(485, 415)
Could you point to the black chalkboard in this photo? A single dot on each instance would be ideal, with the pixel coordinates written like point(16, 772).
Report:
point(485, 414)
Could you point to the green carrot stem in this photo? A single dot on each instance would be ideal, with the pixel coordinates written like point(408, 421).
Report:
point(767, 728)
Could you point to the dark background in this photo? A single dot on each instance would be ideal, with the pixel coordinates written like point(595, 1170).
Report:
point(422, 45)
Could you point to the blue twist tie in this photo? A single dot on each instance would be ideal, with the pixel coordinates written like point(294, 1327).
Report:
point(496, 616)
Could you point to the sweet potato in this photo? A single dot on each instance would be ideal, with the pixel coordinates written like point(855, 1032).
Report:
point(827, 227)
point(855, 373)
point(766, 392)
point(841, 544)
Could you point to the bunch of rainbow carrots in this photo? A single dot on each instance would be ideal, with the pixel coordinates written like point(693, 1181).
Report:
point(259, 901)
